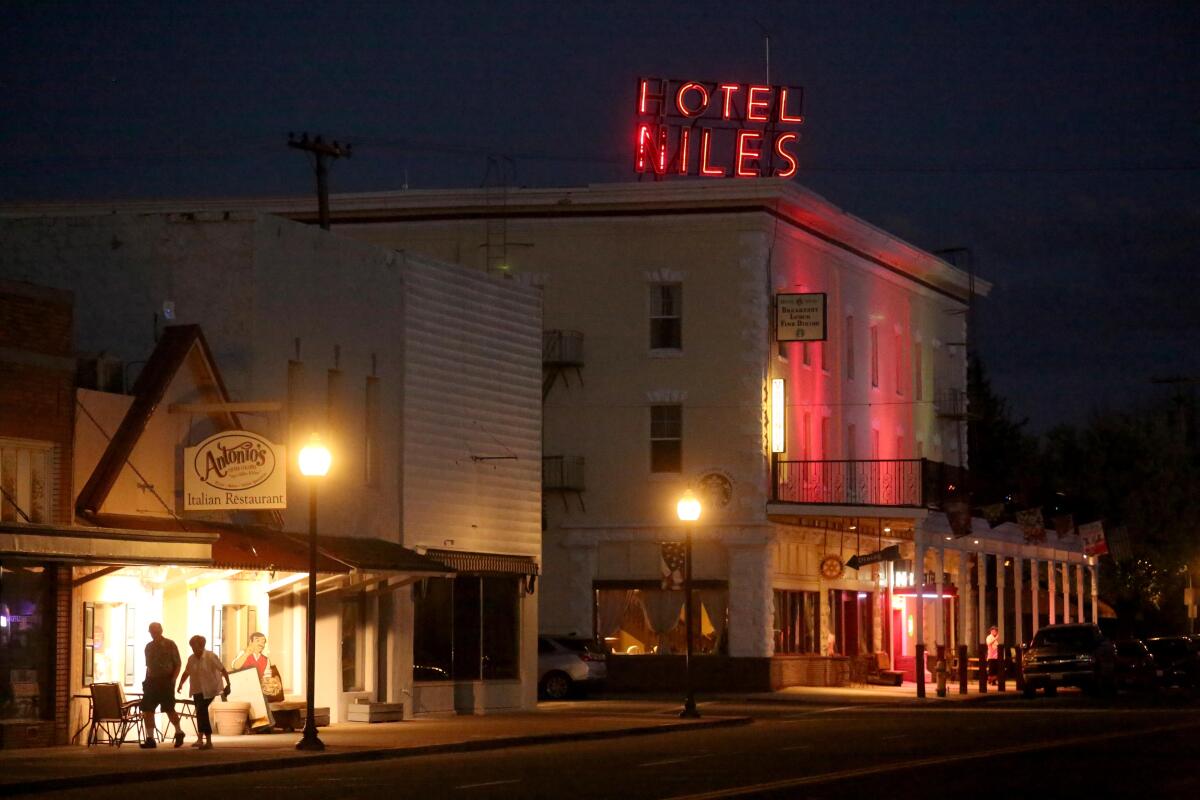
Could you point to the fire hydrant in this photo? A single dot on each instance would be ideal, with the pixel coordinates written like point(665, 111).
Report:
point(940, 671)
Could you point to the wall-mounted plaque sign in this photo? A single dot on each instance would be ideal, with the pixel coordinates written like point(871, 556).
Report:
point(800, 317)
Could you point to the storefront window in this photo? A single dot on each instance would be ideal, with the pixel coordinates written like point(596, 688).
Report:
point(433, 629)
point(796, 624)
point(851, 621)
point(501, 643)
point(642, 620)
point(466, 628)
point(24, 477)
point(26, 642)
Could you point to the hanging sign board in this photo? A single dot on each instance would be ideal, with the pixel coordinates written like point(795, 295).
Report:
point(800, 317)
point(234, 469)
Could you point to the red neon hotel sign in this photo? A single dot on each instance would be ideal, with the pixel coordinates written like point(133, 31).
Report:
point(717, 130)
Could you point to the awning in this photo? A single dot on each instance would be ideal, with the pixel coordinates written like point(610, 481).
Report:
point(252, 547)
point(372, 555)
point(491, 563)
point(80, 544)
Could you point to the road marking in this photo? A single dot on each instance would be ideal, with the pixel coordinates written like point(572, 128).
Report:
point(486, 783)
point(933, 761)
point(666, 761)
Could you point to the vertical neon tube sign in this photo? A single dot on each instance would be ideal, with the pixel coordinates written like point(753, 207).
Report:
point(778, 415)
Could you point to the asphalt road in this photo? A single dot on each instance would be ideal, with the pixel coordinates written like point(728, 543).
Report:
point(1070, 746)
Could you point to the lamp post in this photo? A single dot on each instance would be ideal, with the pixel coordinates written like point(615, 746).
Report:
point(688, 509)
point(314, 464)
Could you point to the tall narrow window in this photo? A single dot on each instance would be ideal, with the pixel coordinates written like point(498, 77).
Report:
point(666, 316)
point(89, 643)
point(131, 642)
point(875, 356)
point(806, 354)
point(825, 423)
point(807, 433)
point(918, 373)
point(851, 444)
point(353, 614)
point(372, 447)
point(875, 454)
point(898, 361)
point(849, 348)
point(666, 438)
point(822, 351)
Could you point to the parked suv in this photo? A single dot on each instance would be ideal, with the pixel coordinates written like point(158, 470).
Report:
point(567, 664)
point(1136, 667)
point(1070, 655)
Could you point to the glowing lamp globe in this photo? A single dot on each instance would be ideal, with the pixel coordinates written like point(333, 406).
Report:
point(688, 507)
point(315, 458)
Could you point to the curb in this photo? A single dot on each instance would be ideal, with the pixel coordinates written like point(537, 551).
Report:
point(868, 702)
point(378, 754)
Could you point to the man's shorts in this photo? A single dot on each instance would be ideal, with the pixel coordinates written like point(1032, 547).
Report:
point(157, 692)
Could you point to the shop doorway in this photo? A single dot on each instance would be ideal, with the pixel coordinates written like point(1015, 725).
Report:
point(851, 622)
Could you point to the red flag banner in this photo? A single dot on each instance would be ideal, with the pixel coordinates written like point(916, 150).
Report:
point(1092, 536)
point(1032, 524)
point(672, 558)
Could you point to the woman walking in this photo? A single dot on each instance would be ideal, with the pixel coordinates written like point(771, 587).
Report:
point(206, 672)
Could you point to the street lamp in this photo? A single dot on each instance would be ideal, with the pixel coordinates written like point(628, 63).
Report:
point(314, 463)
point(688, 509)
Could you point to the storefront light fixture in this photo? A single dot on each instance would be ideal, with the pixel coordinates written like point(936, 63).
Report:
point(778, 406)
point(315, 458)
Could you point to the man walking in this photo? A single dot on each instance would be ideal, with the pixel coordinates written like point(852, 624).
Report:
point(158, 690)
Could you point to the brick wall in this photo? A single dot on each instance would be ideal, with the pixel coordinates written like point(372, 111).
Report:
point(37, 401)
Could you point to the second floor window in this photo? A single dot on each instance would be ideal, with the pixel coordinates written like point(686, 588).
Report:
point(666, 316)
point(875, 356)
point(849, 348)
point(25, 474)
point(666, 438)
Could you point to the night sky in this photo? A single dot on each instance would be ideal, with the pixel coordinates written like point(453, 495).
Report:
point(1058, 141)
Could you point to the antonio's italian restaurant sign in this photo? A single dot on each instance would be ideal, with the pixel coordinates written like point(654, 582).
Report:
point(234, 469)
point(717, 130)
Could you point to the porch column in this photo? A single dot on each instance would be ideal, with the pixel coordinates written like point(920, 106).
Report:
point(919, 583)
point(1095, 595)
point(1051, 592)
point(981, 599)
point(1066, 591)
point(1035, 590)
point(963, 582)
point(1018, 603)
point(939, 634)
point(1079, 592)
point(1001, 583)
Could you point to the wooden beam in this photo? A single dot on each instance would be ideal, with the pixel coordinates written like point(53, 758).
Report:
point(223, 408)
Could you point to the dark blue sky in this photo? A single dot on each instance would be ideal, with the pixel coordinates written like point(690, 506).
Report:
point(1059, 141)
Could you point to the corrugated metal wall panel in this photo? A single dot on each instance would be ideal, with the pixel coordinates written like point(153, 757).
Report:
point(472, 400)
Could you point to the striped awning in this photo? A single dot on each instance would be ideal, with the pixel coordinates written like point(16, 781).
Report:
point(491, 563)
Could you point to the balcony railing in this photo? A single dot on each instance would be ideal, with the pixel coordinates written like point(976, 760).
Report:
point(562, 474)
point(914, 482)
point(562, 348)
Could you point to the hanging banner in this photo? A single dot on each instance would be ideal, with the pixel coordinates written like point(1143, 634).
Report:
point(234, 469)
point(1092, 536)
point(672, 558)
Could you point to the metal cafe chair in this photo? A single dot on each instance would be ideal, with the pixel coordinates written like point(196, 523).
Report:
point(112, 714)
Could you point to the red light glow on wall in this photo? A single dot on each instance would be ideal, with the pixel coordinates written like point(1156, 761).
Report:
point(716, 129)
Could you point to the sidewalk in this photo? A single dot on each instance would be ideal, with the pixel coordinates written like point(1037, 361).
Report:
point(905, 695)
point(56, 768)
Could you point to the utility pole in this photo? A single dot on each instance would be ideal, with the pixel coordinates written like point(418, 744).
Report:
point(322, 151)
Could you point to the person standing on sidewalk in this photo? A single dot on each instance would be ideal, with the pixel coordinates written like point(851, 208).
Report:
point(206, 673)
point(158, 690)
point(993, 654)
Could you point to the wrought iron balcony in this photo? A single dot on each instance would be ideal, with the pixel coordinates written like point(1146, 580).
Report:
point(913, 482)
point(562, 474)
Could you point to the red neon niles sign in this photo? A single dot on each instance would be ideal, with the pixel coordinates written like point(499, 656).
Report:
point(714, 129)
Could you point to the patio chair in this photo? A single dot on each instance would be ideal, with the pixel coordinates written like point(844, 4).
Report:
point(113, 715)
